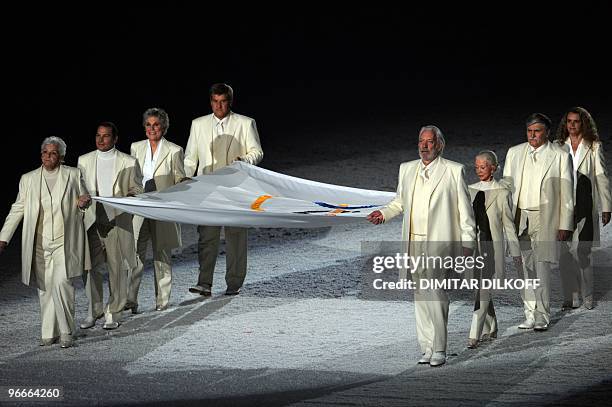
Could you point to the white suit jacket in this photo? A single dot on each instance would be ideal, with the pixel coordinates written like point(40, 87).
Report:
point(69, 186)
point(168, 171)
point(243, 142)
point(127, 180)
point(451, 218)
point(593, 165)
point(556, 194)
point(498, 204)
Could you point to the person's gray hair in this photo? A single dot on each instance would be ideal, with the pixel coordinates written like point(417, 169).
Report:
point(539, 118)
point(61, 145)
point(437, 132)
point(161, 114)
point(489, 156)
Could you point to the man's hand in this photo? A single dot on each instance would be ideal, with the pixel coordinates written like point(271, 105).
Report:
point(564, 235)
point(84, 201)
point(605, 218)
point(2, 246)
point(376, 217)
point(518, 261)
point(467, 251)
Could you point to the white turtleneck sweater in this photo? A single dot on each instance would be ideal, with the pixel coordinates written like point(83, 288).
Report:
point(105, 175)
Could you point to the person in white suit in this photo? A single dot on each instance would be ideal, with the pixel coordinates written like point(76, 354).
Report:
point(577, 134)
point(161, 164)
point(51, 201)
point(492, 204)
point(540, 174)
point(433, 198)
point(110, 173)
point(215, 141)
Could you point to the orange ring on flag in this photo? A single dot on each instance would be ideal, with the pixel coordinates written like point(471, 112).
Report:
point(259, 201)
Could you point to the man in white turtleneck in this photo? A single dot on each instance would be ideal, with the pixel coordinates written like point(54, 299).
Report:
point(109, 172)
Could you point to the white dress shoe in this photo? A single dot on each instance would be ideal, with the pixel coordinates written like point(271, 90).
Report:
point(426, 357)
point(89, 322)
point(527, 324)
point(540, 326)
point(110, 325)
point(437, 359)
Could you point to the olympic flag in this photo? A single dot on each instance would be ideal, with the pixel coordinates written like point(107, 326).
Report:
point(248, 196)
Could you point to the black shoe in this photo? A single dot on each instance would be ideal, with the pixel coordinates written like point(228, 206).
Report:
point(131, 306)
point(66, 341)
point(232, 291)
point(90, 322)
point(198, 289)
point(48, 341)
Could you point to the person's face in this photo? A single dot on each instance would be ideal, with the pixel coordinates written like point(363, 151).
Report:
point(484, 169)
point(537, 135)
point(153, 128)
point(574, 124)
point(50, 157)
point(429, 147)
point(220, 105)
point(105, 139)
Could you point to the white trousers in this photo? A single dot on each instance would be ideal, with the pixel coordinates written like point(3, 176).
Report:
point(57, 299)
point(484, 321)
point(536, 302)
point(430, 306)
point(104, 246)
point(162, 265)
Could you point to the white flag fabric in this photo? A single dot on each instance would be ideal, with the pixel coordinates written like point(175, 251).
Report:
point(248, 196)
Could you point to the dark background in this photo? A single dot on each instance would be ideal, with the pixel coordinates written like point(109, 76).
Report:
point(297, 69)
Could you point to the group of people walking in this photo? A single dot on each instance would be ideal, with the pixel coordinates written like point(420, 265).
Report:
point(544, 209)
point(66, 234)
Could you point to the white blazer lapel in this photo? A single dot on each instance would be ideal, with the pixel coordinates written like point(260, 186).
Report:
point(35, 193)
point(586, 150)
point(548, 159)
point(90, 173)
point(60, 185)
point(119, 165)
point(518, 173)
point(491, 196)
point(411, 176)
point(231, 124)
point(438, 174)
point(141, 152)
point(163, 152)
